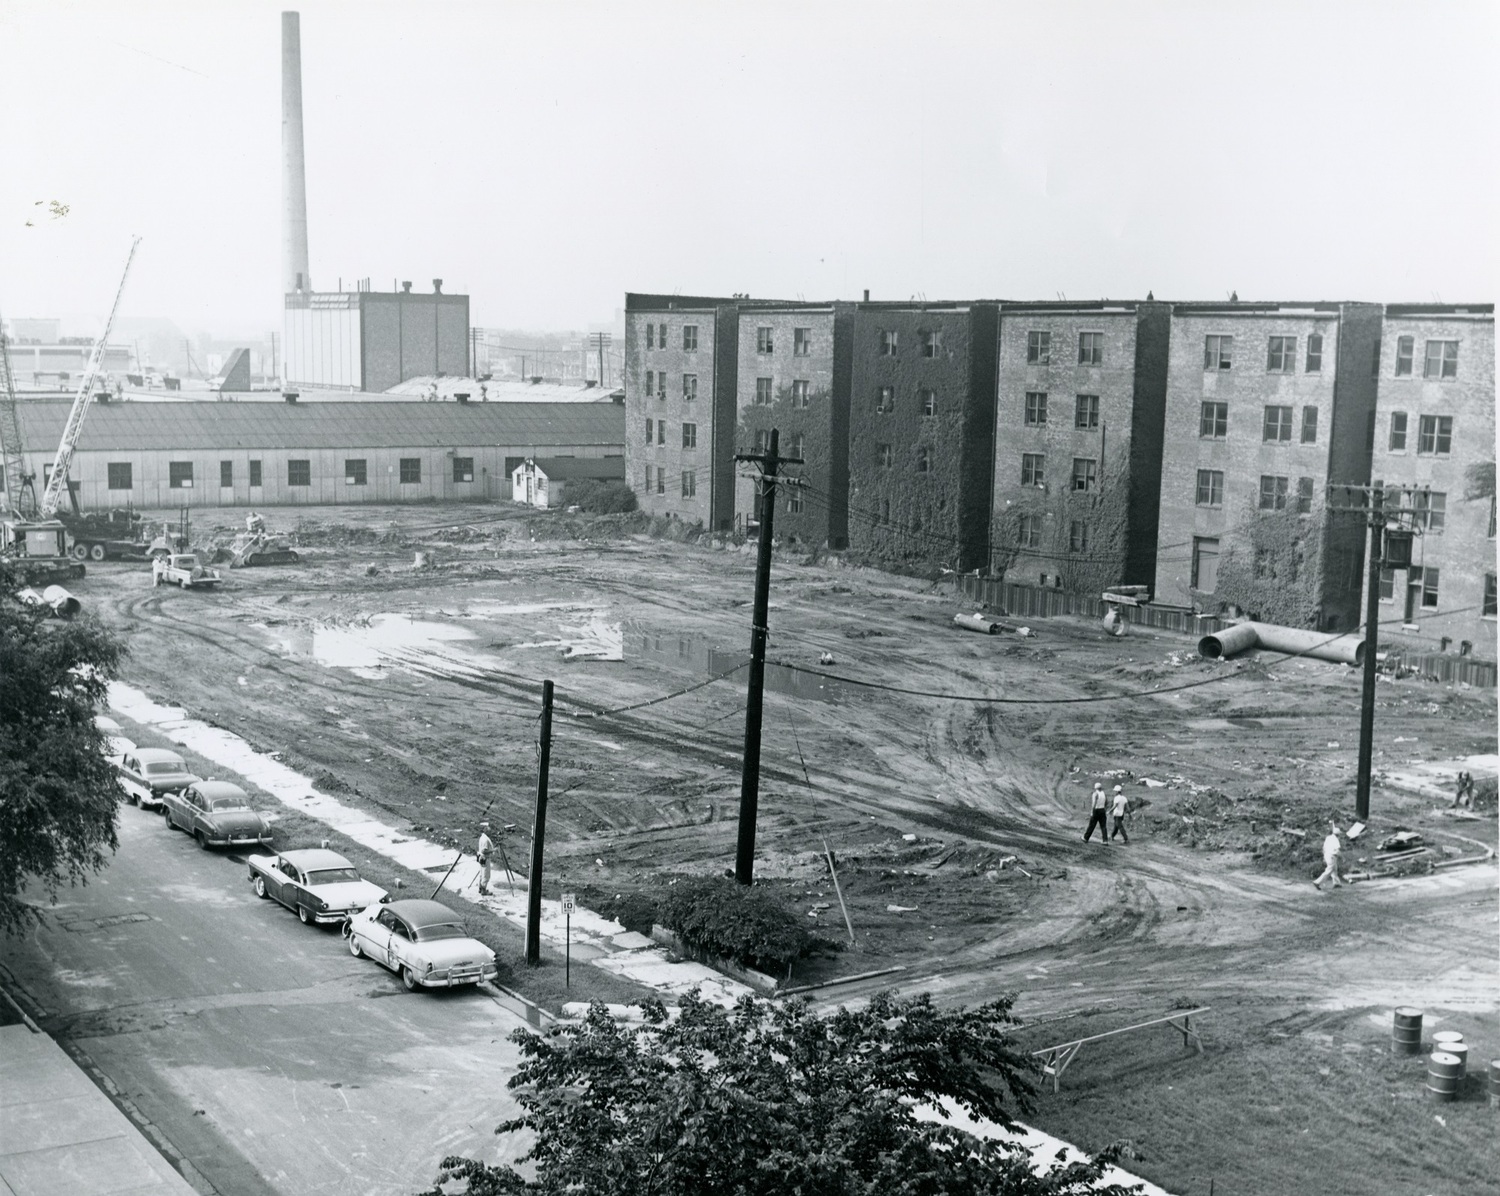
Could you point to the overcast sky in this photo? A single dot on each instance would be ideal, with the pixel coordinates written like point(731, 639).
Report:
point(547, 157)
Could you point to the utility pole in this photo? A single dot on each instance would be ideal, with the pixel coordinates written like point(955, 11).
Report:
point(744, 857)
point(539, 834)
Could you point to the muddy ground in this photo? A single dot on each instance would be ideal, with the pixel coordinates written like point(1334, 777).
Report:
point(956, 825)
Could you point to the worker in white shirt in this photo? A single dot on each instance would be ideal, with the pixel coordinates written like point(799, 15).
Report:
point(482, 851)
point(1119, 807)
point(1333, 847)
point(1097, 813)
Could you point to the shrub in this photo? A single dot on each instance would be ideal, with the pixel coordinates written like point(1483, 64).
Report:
point(599, 497)
point(748, 925)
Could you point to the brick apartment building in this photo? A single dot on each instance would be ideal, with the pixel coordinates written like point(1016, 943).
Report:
point(1267, 403)
point(794, 374)
point(1078, 442)
point(680, 363)
point(1435, 454)
point(921, 429)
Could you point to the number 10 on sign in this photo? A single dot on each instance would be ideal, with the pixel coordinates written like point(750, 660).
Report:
point(568, 902)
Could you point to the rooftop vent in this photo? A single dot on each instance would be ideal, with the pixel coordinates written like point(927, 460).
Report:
point(406, 288)
point(289, 395)
point(437, 286)
point(461, 396)
point(536, 379)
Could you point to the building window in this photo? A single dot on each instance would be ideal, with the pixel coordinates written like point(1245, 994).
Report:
point(1398, 432)
point(650, 336)
point(463, 469)
point(1281, 356)
point(932, 342)
point(1435, 434)
point(1213, 421)
point(763, 392)
point(1431, 508)
point(1036, 408)
point(1031, 469)
point(801, 392)
point(885, 400)
point(764, 341)
point(1314, 353)
point(254, 474)
point(924, 459)
point(1427, 581)
point(1085, 473)
point(1210, 488)
point(888, 343)
point(794, 501)
point(1304, 496)
point(661, 385)
point(690, 338)
point(1078, 536)
point(1205, 564)
point(1387, 584)
point(650, 383)
point(1441, 360)
point(1086, 412)
point(648, 479)
point(798, 442)
point(763, 441)
point(1375, 359)
point(1489, 596)
point(929, 401)
point(1091, 348)
point(884, 455)
point(1038, 348)
point(661, 481)
point(661, 431)
point(1273, 491)
point(1030, 532)
point(226, 474)
point(299, 473)
point(689, 387)
point(1309, 425)
point(1491, 532)
point(649, 426)
point(1405, 347)
point(1218, 352)
point(689, 483)
point(120, 475)
point(1278, 425)
point(689, 436)
point(180, 475)
point(801, 342)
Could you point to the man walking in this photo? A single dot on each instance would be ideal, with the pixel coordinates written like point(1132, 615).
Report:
point(1119, 808)
point(1097, 815)
point(1465, 795)
point(1333, 846)
point(482, 851)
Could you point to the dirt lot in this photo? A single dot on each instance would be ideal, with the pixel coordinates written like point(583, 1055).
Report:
point(956, 825)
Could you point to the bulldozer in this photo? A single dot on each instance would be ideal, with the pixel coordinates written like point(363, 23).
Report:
point(257, 546)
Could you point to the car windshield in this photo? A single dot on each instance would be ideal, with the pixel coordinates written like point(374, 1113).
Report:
point(226, 803)
point(187, 562)
point(165, 768)
point(332, 876)
point(444, 930)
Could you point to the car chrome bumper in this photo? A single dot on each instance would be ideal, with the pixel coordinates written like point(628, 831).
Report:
point(241, 840)
point(456, 976)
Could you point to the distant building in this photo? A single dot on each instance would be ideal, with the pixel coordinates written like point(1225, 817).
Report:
point(921, 433)
point(1267, 404)
point(58, 364)
point(1078, 442)
point(543, 482)
point(373, 340)
point(205, 454)
point(794, 376)
point(1435, 455)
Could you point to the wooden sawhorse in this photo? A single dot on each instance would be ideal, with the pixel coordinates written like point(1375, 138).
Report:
point(1055, 1059)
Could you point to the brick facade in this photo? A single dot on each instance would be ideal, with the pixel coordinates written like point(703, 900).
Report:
point(1425, 461)
point(1253, 438)
point(1079, 383)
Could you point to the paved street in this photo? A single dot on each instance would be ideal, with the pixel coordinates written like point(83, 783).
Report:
point(271, 1059)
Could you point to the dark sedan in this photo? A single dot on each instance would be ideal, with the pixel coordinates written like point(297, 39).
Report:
point(217, 814)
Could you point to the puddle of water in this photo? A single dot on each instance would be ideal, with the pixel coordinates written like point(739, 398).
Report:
point(367, 647)
point(779, 678)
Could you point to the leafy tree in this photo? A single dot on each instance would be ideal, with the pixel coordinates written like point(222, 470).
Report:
point(774, 1099)
point(57, 791)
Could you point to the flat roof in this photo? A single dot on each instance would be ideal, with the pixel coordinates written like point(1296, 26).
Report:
point(211, 425)
point(1398, 310)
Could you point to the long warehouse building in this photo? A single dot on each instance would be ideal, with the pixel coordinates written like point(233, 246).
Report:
point(230, 454)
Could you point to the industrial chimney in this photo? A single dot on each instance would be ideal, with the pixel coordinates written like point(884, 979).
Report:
point(295, 275)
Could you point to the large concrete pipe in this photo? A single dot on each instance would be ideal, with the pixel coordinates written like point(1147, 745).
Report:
point(1294, 641)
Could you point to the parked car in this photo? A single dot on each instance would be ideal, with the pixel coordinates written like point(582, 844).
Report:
point(321, 885)
point(423, 941)
point(184, 570)
point(215, 813)
point(148, 775)
point(116, 748)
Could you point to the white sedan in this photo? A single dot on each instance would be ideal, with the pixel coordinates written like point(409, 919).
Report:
point(422, 941)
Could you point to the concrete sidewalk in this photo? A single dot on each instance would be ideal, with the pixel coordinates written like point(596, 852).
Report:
point(60, 1133)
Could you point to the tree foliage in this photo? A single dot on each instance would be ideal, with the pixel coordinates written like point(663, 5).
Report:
point(771, 1099)
point(599, 496)
point(745, 923)
point(58, 794)
point(1272, 567)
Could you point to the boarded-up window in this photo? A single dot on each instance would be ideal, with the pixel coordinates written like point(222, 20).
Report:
point(1206, 563)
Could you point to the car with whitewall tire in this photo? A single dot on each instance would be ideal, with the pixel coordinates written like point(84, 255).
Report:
point(423, 942)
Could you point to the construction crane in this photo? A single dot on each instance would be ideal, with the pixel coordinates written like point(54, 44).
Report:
point(57, 483)
point(18, 482)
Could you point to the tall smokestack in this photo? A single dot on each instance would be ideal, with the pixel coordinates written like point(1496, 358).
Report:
point(295, 275)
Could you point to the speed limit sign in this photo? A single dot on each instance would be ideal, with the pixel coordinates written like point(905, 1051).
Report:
point(568, 903)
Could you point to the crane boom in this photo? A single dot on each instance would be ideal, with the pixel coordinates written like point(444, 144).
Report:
point(15, 478)
point(58, 481)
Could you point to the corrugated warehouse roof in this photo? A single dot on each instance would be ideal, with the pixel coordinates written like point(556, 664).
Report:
point(127, 427)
